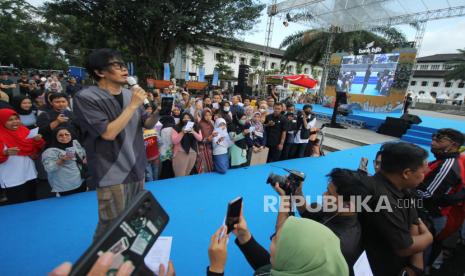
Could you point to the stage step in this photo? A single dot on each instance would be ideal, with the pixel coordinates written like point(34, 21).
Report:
point(346, 139)
point(416, 140)
point(418, 133)
point(423, 129)
point(331, 144)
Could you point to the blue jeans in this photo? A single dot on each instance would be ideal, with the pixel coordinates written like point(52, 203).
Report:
point(152, 171)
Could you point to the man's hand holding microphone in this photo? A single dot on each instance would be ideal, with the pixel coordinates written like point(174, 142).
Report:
point(139, 96)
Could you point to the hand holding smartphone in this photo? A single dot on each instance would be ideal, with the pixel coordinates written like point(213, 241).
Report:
point(363, 166)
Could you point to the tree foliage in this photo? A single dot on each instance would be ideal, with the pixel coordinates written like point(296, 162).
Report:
point(458, 71)
point(23, 43)
point(149, 31)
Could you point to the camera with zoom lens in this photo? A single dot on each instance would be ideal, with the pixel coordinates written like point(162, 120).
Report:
point(288, 183)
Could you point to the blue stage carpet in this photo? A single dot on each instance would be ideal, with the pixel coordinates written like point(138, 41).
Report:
point(373, 119)
point(39, 235)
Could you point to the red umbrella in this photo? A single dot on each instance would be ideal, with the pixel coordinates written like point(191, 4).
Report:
point(301, 80)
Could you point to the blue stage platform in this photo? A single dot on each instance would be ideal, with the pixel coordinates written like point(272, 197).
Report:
point(374, 119)
point(419, 134)
point(40, 235)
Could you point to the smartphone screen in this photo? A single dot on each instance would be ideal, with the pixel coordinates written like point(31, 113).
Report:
point(166, 105)
point(363, 165)
point(233, 214)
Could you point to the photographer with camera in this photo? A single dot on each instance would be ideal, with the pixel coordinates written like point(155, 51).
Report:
point(306, 129)
point(342, 184)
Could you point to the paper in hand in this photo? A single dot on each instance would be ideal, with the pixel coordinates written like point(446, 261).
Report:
point(362, 266)
point(33, 133)
point(189, 126)
point(159, 254)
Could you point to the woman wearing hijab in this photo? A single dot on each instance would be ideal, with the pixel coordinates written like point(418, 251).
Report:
point(255, 140)
point(64, 161)
point(17, 151)
point(185, 137)
point(221, 143)
point(204, 158)
point(166, 147)
point(238, 134)
point(299, 247)
point(225, 113)
point(27, 113)
point(176, 113)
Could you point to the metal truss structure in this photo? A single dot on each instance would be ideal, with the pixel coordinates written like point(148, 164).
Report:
point(353, 15)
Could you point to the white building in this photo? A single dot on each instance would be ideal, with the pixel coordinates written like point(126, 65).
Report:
point(427, 80)
point(241, 53)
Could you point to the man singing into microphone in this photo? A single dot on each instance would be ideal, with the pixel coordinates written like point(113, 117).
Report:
point(111, 118)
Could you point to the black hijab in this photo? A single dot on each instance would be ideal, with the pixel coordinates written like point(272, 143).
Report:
point(188, 140)
point(167, 121)
point(16, 102)
point(238, 129)
point(54, 141)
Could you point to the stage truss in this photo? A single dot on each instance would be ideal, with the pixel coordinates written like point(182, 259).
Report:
point(353, 15)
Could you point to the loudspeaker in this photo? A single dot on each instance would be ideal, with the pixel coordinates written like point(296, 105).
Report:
point(243, 76)
point(395, 127)
point(242, 90)
point(412, 119)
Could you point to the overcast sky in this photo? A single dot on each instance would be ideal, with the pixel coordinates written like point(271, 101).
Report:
point(441, 36)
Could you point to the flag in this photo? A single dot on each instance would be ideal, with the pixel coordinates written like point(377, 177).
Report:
point(166, 72)
point(215, 78)
point(201, 74)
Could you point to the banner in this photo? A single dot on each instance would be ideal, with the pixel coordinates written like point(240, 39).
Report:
point(186, 77)
point(201, 74)
point(215, 78)
point(166, 72)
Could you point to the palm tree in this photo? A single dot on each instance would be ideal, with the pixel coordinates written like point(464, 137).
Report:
point(310, 46)
point(458, 71)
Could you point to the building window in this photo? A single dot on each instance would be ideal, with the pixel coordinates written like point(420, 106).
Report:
point(461, 85)
point(306, 71)
point(435, 84)
point(433, 94)
point(243, 60)
point(254, 62)
point(282, 67)
point(232, 59)
point(263, 64)
point(219, 57)
point(273, 65)
point(413, 83)
point(435, 67)
point(424, 83)
point(424, 67)
point(290, 69)
point(448, 84)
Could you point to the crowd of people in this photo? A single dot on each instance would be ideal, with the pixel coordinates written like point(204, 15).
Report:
point(114, 138)
point(206, 132)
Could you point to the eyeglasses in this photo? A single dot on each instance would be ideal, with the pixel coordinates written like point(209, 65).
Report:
point(118, 65)
point(439, 136)
point(64, 135)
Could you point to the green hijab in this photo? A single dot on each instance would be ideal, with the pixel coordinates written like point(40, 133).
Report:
point(306, 247)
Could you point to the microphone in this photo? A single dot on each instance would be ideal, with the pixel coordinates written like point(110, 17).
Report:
point(133, 83)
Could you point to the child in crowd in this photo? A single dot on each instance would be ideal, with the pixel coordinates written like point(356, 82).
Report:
point(221, 144)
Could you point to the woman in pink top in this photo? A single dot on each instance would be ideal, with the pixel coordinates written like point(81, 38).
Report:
point(185, 137)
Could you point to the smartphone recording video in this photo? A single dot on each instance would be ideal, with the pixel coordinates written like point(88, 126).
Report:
point(233, 213)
